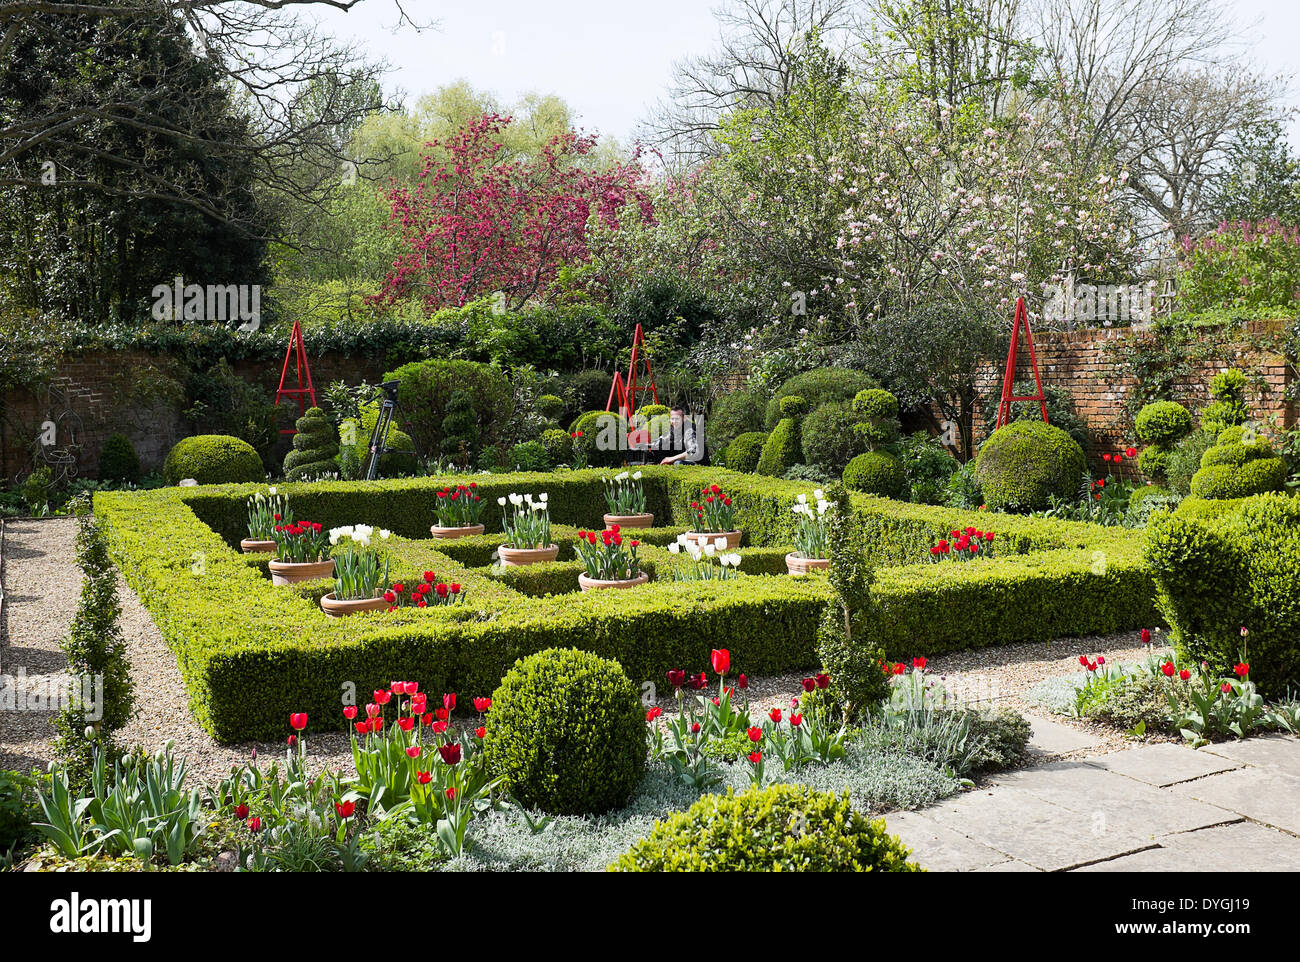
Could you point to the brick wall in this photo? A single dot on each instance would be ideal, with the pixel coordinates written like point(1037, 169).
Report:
point(1080, 362)
point(96, 395)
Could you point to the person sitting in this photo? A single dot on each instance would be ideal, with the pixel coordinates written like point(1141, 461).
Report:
point(684, 439)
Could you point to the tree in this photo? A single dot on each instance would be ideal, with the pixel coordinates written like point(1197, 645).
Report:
point(272, 63)
point(1262, 178)
point(477, 222)
point(102, 223)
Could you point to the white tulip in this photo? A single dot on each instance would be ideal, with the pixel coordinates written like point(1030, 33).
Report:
point(819, 494)
point(802, 499)
point(501, 501)
point(272, 492)
point(674, 548)
point(384, 533)
point(710, 550)
point(637, 476)
point(542, 497)
point(622, 477)
point(516, 499)
point(720, 543)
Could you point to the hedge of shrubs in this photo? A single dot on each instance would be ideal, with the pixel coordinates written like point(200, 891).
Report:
point(1221, 566)
point(1051, 578)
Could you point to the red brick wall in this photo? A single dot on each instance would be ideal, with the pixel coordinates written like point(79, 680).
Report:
point(134, 393)
point(1080, 362)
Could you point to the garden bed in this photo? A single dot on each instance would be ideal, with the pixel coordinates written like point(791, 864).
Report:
point(278, 652)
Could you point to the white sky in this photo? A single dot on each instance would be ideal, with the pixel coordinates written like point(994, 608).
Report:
point(612, 60)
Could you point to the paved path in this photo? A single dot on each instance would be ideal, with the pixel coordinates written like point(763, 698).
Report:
point(1157, 808)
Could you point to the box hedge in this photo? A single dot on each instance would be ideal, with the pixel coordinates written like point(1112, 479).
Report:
point(282, 654)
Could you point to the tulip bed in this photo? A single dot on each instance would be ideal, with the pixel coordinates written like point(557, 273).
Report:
point(247, 649)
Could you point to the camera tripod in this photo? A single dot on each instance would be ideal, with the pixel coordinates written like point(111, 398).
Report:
point(379, 437)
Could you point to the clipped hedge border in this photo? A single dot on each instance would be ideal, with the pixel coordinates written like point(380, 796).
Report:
point(281, 654)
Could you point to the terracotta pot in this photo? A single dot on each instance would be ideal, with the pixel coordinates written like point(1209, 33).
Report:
point(249, 546)
point(594, 584)
point(527, 556)
point(338, 609)
point(711, 537)
point(630, 520)
point(464, 531)
point(795, 564)
point(292, 572)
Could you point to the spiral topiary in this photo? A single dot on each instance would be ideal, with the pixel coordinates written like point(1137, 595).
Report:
point(787, 828)
point(1024, 464)
point(213, 459)
point(743, 453)
point(567, 733)
point(876, 473)
point(314, 447)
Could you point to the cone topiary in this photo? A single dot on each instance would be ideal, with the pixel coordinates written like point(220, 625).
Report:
point(314, 447)
point(783, 448)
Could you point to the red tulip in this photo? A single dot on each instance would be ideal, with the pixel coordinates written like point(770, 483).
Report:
point(742, 682)
point(775, 715)
point(919, 663)
point(241, 812)
point(362, 727)
point(796, 720)
point(1146, 636)
point(293, 741)
point(423, 778)
point(1242, 670)
point(1184, 674)
point(413, 751)
point(350, 712)
point(482, 704)
point(755, 757)
point(254, 824)
point(382, 697)
point(450, 752)
point(653, 713)
point(808, 684)
point(298, 720)
point(1168, 669)
point(480, 732)
point(1226, 687)
point(721, 660)
point(406, 724)
point(449, 702)
point(345, 809)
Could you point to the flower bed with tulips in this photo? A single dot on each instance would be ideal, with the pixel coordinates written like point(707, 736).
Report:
point(1044, 582)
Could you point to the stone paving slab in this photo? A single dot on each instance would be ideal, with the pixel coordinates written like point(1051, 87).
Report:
point(1224, 848)
point(940, 849)
point(1279, 752)
point(1010, 865)
point(1163, 764)
point(1263, 795)
point(1047, 737)
point(1105, 801)
point(1031, 829)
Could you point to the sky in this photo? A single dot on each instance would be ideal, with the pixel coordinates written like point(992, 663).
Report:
point(612, 60)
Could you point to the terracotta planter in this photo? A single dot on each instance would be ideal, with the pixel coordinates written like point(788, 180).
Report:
point(594, 584)
point(249, 546)
point(338, 609)
point(465, 531)
point(795, 564)
point(511, 557)
point(630, 520)
point(711, 537)
point(292, 572)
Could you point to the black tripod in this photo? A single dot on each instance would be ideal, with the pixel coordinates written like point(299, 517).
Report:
point(379, 437)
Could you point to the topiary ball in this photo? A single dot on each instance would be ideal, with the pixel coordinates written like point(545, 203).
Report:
point(1154, 461)
point(1023, 464)
point(604, 437)
point(787, 828)
point(876, 473)
point(558, 445)
point(118, 460)
point(876, 403)
point(793, 406)
point(743, 453)
point(829, 439)
point(213, 459)
point(550, 406)
point(1163, 423)
point(567, 733)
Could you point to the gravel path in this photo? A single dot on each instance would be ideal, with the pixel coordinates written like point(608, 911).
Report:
point(42, 582)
